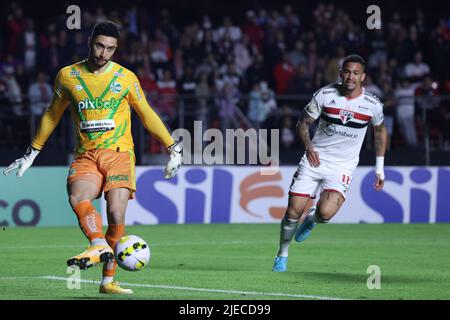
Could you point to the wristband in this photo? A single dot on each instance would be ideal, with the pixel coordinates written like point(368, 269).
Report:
point(379, 167)
point(177, 147)
point(31, 153)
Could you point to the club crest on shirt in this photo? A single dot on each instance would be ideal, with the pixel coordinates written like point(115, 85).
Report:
point(116, 87)
point(346, 116)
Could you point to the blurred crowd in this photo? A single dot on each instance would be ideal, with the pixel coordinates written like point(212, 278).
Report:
point(258, 68)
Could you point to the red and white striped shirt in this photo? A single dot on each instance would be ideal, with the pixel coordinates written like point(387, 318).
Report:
point(343, 124)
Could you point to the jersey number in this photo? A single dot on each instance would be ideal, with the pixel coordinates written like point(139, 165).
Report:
point(346, 179)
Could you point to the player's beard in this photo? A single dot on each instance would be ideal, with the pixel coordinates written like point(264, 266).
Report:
point(351, 87)
point(97, 62)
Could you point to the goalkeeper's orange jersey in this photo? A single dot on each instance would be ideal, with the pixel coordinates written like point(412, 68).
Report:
point(100, 108)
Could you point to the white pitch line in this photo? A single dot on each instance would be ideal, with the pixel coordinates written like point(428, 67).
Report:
point(55, 246)
point(49, 246)
point(254, 293)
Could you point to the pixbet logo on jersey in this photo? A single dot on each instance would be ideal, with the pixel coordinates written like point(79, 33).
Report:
point(97, 104)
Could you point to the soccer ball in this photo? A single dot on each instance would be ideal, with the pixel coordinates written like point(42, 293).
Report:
point(132, 253)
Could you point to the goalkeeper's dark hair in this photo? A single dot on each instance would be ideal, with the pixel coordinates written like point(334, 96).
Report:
point(354, 58)
point(106, 28)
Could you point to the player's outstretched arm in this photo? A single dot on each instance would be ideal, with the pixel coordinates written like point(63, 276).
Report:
point(22, 164)
point(303, 125)
point(155, 126)
point(380, 149)
point(48, 123)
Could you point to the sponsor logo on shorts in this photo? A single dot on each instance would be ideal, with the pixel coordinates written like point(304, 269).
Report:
point(117, 178)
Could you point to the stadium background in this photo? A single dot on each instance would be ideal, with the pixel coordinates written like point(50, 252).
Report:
point(256, 70)
point(214, 230)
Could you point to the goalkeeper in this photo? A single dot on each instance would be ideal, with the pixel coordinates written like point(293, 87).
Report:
point(100, 93)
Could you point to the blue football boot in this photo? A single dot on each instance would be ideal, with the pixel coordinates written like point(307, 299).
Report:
point(304, 230)
point(280, 264)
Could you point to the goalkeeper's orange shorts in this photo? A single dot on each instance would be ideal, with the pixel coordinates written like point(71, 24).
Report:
point(106, 168)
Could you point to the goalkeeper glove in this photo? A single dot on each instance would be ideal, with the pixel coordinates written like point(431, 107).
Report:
point(176, 155)
point(23, 163)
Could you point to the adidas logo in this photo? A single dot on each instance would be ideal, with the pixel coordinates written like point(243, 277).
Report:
point(332, 102)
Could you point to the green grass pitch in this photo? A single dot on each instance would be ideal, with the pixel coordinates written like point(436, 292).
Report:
point(232, 262)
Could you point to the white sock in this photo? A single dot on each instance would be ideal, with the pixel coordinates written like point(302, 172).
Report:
point(288, 228)
point(106, 280)
point(99, 242)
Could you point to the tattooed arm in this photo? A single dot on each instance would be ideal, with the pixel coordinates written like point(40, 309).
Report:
point(303, 125)
point(380, 140)
point(380, 149)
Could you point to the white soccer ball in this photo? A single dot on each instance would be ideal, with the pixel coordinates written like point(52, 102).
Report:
point(132, 253)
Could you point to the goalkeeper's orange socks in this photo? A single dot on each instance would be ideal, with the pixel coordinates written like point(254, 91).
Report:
point(113, 235)
point(90, 223)
point(89, 220)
